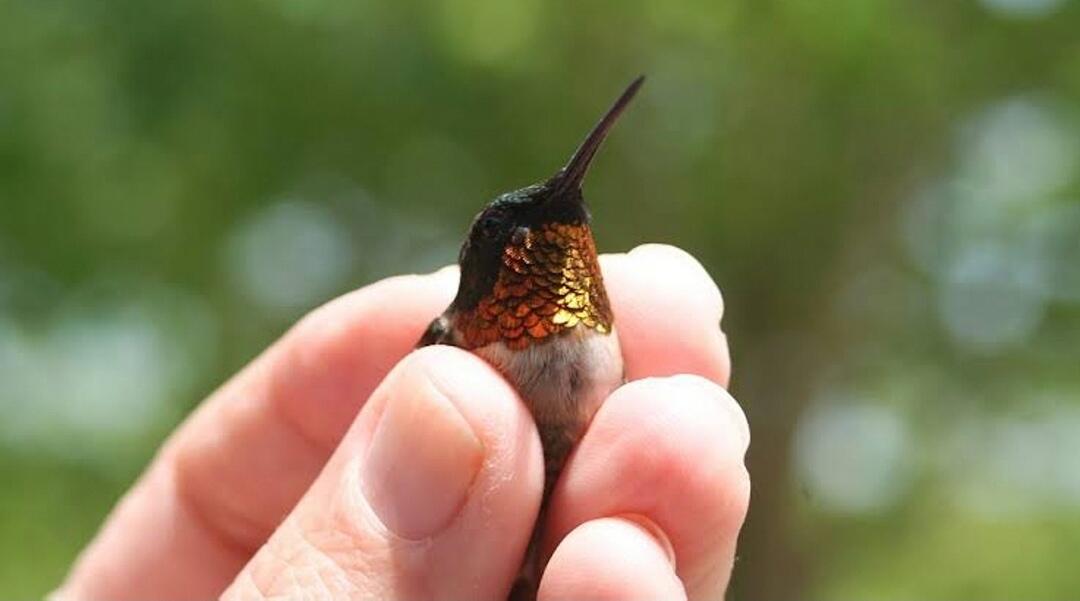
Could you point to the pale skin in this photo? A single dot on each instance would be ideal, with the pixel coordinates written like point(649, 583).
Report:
point(341, 463)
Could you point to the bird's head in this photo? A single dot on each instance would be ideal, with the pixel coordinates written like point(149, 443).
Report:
point(528, 265)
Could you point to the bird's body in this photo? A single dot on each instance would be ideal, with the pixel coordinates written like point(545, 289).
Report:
point(532, 302)
point(547, 327)
point(563, 382)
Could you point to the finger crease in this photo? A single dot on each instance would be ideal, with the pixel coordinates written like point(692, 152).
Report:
point(214, 529)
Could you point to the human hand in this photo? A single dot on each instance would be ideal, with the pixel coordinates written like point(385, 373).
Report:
point(331, 467)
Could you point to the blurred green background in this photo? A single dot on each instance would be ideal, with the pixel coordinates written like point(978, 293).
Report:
point(887, 192)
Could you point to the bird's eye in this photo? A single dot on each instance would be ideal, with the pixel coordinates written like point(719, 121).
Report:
point(489, 225)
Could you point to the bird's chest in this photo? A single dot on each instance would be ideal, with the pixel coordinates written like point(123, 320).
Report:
point(563, 381)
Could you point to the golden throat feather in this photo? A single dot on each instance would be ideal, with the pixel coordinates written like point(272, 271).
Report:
point(549, 283)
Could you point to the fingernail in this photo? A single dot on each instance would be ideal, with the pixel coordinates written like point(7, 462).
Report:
point(653, 530)
point(423, 458)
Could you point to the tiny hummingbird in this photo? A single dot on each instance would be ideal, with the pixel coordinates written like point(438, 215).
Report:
point(531, 301)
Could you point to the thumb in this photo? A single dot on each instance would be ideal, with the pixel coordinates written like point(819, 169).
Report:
point(431, 494)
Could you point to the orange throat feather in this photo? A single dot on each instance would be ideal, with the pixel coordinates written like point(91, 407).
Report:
point(549, 283)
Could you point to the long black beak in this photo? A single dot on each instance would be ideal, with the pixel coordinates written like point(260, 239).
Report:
point(570, 177)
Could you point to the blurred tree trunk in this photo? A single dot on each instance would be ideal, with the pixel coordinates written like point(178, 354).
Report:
point(773, 385)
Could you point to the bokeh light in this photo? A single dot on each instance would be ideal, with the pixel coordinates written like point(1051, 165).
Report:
point(852, 457)
point(102, 370)
point(289, 256)
point(1023, 9)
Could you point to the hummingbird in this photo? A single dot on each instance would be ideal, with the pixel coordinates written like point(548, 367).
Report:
point(531, 301)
